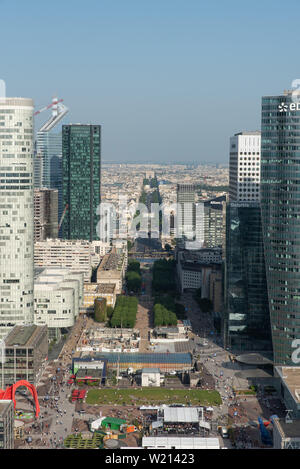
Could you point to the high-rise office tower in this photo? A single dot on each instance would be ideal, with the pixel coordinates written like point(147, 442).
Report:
point(48, 152)
point(45, 214)
point(244, 166)
point(247, 319)
point(48, 164)
point(16, 213)
point(214, 222)
point(48, 146)
point(280, 204)
point(81, 145)
point(186, 216)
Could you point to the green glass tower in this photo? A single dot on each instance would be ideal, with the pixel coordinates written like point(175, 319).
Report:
point(81, 175)
point(280, 204)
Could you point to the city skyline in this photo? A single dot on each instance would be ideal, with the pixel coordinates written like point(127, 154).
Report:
point(160, 78)
point(149, 242)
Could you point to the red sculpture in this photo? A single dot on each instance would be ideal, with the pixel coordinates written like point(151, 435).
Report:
point(10, 392)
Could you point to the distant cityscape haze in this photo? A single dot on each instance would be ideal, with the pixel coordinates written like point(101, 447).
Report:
point(169, 81)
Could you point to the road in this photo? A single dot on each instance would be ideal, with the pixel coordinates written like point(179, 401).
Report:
point(213, 356)
point(144, 316)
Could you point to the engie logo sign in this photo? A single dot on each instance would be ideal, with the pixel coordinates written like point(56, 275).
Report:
point(284, 107)
point(294, 93)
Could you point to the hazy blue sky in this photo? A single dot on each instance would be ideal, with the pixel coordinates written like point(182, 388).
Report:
point(169, 80)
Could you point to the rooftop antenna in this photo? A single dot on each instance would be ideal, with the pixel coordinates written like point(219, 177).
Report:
point(289, 416)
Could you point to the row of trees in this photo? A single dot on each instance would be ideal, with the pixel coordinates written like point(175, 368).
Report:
point(125, 312)
point(163, 316)
point(155, 197)
point(134, 266)
point(133, 276)
point(130, 245)
point(170, 305)
point(164, 274)
point(102, 312)
point(153, 182)
point(143, 198)
point(133, 281)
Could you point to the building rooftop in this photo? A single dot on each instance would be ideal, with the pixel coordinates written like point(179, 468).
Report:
point(4, 404)
point(288, 430)
point(181, 415)
point(178, 358)
point(89, 373)
point(24, 335)
point(111, 261)
point(16, 102)
point(181, 442)
point(248, 132)
point(193, 260)
point(166, 330)
point(291, 377)
point(104, 288)
point(254, 359)
point(53, 278)
point(150, 370)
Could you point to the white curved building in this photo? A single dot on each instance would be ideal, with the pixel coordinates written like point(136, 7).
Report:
point(58, 296)
point(16, 213)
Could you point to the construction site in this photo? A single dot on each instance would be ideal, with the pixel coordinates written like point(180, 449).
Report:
point(104, 339)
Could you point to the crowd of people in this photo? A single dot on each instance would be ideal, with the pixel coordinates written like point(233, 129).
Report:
point(52, 404)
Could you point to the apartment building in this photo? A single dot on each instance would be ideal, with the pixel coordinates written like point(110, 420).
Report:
point(195, 267)
point(92, 291)
point(26, 351)
point(112, 269)
point(45, 214)
point(244, 167)
point(75, 255)
point(7, 418)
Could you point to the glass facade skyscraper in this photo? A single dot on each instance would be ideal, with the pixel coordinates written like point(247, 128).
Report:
point(247, 319)
point(81, 147)
point(48, 145)
point(280, 203)
point(48, 163)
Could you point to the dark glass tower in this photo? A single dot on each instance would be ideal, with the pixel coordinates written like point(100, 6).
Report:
point(81, 147)
point(247, 319)
point(280, 203)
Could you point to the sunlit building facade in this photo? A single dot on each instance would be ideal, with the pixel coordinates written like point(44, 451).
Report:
point(16, 213)
point(280, 203)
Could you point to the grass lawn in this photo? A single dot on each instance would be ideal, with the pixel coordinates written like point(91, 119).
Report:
point(153, 396)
